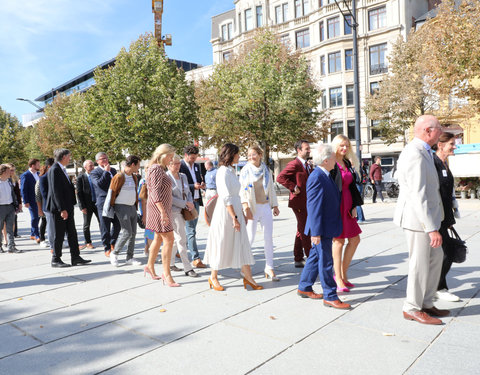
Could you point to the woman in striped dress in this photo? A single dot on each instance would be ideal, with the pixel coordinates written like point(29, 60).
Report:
point(159, 212)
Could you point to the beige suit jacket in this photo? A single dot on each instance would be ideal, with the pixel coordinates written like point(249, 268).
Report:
point(419, 206)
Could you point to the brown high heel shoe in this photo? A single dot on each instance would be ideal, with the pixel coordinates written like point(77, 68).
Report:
point(254, 287)
point(212, 285)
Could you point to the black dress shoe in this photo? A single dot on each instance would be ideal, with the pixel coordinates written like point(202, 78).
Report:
point(300, 264)
point(79, 261)
point(59, 264)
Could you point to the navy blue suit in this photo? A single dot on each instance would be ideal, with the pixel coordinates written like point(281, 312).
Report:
point(323, 219)
point(27, 188)
point(110, 228)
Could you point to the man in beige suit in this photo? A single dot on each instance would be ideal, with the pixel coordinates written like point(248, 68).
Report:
point(419, 212)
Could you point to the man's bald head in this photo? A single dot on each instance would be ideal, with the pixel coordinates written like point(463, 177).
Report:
point(428, 129)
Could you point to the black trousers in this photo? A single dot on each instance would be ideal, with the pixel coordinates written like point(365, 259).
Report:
point(42, 227)
point(62, 227)
point(377, 188)
point(87, 218)
point(110, 229)
point(447, 261)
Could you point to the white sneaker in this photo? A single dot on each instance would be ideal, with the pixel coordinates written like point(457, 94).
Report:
point(445, 295)
point(44, 244)
point(133, 262)
point(114, 259)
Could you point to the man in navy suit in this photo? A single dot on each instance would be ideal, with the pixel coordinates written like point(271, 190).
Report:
point(60, 202)
point(28, 180)
point(101, 178)
point(323, 224)
point(196, 183)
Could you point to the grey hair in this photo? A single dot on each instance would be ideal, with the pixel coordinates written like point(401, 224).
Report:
point(321, 153)
point(87, 161)
point(99, 155)
point(60, 153)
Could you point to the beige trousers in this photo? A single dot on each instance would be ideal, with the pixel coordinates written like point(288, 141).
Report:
point(425, 265)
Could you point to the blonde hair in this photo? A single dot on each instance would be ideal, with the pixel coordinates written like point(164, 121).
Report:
point(15, 178)
point(256, 148)
point(176, 157)
point(160, 153)
point(350, 155)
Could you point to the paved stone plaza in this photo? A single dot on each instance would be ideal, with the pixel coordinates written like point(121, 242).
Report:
point(98, 319)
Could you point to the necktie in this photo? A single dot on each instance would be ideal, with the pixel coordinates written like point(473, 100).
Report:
point(307, 167)
point(92, 190)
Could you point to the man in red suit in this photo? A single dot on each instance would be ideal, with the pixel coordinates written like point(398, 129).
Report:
point(294, 178)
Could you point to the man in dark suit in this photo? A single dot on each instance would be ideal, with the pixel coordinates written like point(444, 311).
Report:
point(86, 201)
point(323, 224)
point(196, 183)
point(101, 178)
point(294, 178)
point(60, 203)
point(28, 180)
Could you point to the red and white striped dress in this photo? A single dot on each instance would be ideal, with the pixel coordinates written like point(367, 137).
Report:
point(159, 187)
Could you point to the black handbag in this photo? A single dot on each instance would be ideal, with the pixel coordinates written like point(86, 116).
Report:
point(455, 247)
point(140, 221)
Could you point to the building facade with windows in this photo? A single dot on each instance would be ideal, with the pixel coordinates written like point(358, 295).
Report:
point(320, 32)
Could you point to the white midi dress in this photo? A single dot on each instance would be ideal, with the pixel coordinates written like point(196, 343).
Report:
point(227, 248)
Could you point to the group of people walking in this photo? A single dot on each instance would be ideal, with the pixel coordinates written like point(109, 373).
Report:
point(324, 197)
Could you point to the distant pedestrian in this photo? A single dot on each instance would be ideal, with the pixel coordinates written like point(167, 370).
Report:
point(41, 203)
point(376, 179)
point(87, 201)
point(210, 180)
point(28, 180)
point(16, 187)
point(8, 205)
point(43, 187)
point(361, 182)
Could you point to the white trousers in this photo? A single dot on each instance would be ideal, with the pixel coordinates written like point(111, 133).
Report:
point(425, 265)
point(263, 214)
point(180, 236)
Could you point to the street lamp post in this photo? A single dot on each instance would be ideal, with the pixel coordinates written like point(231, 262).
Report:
point(356, 81)
point(31, 102)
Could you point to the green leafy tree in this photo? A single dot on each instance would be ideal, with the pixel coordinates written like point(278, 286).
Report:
point(264, 95)
point(65, 125)
point(12, 145)
point(142, 101)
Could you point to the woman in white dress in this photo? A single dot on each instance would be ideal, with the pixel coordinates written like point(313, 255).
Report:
point(259, 200)
point(228, 245)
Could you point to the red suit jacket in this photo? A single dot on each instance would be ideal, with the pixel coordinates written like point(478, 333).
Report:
point(295, 174)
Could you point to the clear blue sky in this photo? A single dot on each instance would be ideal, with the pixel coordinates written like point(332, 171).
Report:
point(44, 43)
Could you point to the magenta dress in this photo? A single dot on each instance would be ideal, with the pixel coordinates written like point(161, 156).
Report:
point(350, 226)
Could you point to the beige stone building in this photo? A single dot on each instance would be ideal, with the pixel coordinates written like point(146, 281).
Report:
point(317, 28)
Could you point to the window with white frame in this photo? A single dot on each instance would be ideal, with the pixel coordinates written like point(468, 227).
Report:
point(374, 128)
point(322, 65)
point(248, 19)
point(374, 87)
point(227, 31)
point(347, 21)
point(302, 8)
point(336, 128)
point(227, 56)
point(351, 129)
point(322, 31)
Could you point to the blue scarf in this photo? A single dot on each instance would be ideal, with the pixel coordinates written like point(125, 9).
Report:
point(251, 173)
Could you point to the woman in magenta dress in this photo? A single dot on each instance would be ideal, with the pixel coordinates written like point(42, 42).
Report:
point(159, 212)
point(345, 176)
